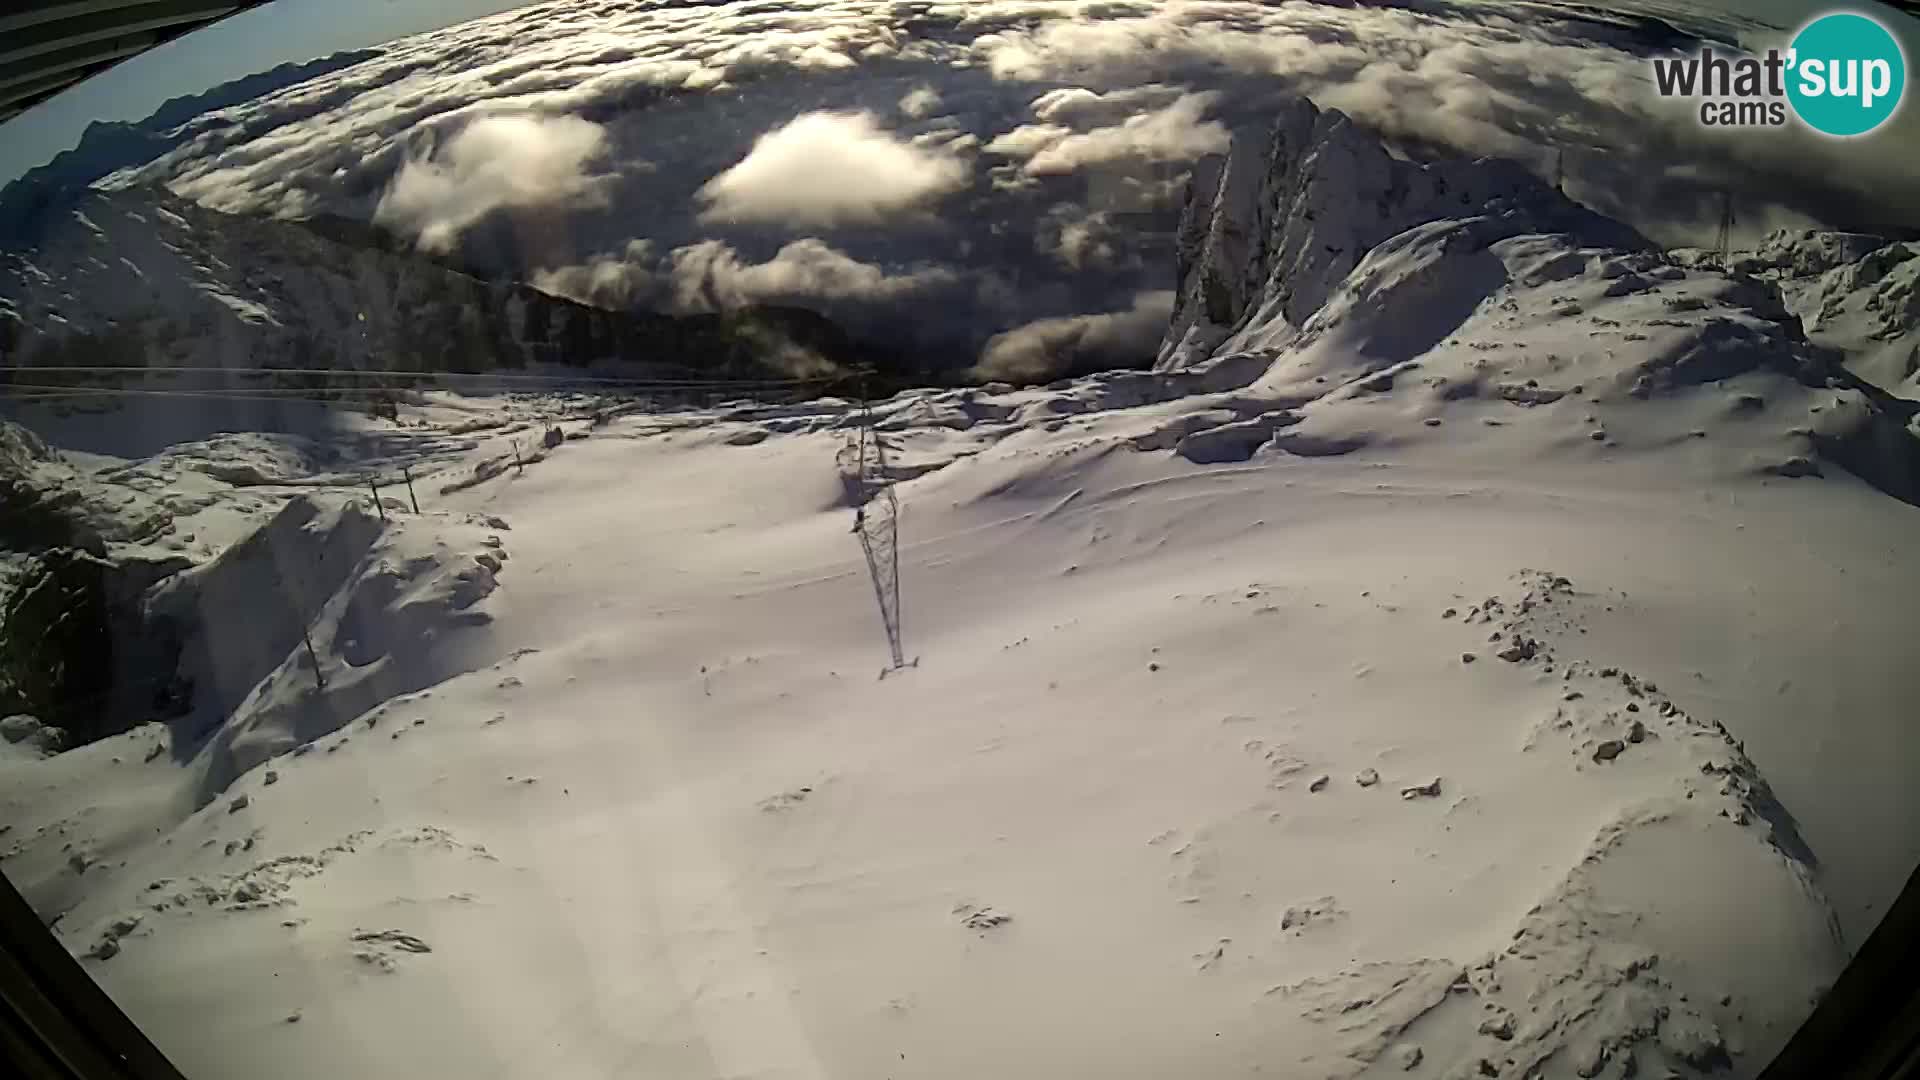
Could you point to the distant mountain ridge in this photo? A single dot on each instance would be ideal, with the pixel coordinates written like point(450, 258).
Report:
point(142, 278)
point(107, 147)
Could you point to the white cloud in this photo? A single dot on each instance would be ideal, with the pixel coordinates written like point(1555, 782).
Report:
point(1048, 348)
point(493, 162)
point(711, 275)
point(1080, 239)
point(948, 140)
point(1080, 107)
point(1027, 140)
point(781, 50)
point(1481, 80)
point(1174, 133)
point(1491, 77)
point(920, 102)
point(828, 169)
point(609, 281)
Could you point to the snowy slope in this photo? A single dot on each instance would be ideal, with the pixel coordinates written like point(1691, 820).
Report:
point(692, 833)
point(1463, 675)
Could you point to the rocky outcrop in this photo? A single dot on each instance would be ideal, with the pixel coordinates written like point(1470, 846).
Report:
point(1274, 225)
point(45, 503)
point(75, 647)
point(1855, 293)
point(1804, 252)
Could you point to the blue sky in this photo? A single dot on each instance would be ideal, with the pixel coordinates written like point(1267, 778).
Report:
point(249, 42)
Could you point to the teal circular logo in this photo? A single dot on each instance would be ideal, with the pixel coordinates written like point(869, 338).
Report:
point(1846, 74)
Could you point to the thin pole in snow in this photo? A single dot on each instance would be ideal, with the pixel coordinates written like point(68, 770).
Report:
point(319, 680)
point(411, 497)
point(300, 616)
point(373, 485)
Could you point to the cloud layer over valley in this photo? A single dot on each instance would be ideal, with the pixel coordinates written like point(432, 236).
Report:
point(976, 176)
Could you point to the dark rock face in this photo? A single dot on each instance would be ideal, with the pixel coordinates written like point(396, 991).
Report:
point(75, 650)
point(36, 513)
point(45, 503)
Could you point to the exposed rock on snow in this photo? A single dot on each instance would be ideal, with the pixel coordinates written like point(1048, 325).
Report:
point(979, 917)
point(31, 736)
point(1867, 308)
point(1428, 790)
point(1234, 441)
point(75, 645)
point(1807, 252)
point(48, 503)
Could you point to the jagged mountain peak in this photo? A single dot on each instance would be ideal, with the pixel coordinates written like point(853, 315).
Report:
point(1273, 225)
point(1355, 298)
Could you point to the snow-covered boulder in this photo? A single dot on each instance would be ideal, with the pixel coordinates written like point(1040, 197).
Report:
point(30, 735)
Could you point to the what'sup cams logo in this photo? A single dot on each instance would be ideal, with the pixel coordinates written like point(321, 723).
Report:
point(1843, 74)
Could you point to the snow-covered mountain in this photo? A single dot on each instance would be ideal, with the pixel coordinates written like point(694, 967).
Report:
point(39, 195)
point(1272, 226)
point(141, 278)
point(1357, 290)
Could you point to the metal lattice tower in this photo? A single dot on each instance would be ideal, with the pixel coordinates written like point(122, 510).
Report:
point(863, 471)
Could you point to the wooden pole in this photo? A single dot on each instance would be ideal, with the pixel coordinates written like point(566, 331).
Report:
point(373, 485)
point(411, 497)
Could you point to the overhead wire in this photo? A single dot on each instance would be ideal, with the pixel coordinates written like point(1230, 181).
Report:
point(402, 373)
point(49, 391)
